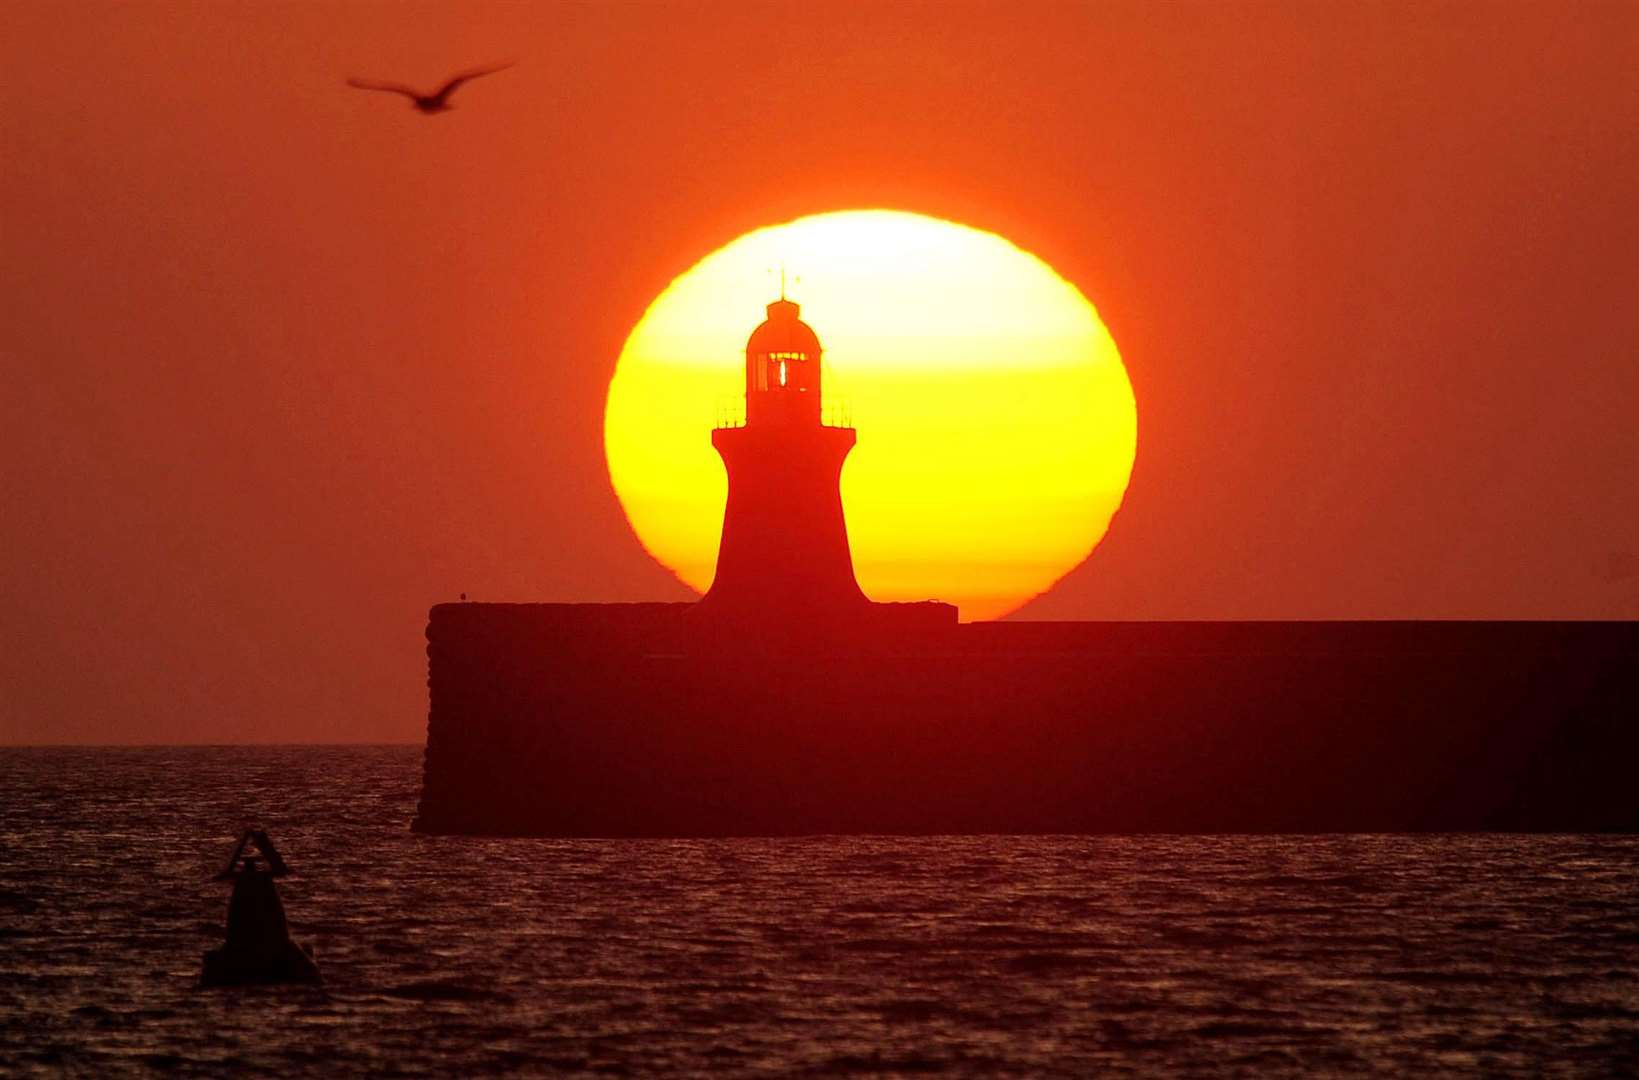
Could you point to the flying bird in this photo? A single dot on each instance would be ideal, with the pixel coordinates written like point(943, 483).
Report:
point(439, 100)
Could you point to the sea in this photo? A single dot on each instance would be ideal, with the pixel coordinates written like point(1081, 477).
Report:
point(1038, 956)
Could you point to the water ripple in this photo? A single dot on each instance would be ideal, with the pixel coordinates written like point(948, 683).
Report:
point(999, 956)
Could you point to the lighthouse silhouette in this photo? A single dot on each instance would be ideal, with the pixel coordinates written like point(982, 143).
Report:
point(784, 550)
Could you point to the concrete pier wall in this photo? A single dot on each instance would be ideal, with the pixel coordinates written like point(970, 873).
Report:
point(642, 720)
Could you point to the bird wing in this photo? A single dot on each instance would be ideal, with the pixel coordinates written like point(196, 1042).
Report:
point(395, 88)
point(448, 88)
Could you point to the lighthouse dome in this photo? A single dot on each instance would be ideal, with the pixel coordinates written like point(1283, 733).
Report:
point(784, 332)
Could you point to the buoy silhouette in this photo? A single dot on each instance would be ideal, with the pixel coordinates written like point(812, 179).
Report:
point(258, 949)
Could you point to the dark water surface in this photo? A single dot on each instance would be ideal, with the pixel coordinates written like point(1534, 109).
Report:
point(983, 955)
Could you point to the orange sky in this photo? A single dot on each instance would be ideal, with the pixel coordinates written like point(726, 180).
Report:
point(287, 362)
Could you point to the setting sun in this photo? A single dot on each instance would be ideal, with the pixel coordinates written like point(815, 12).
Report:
point(996, 423)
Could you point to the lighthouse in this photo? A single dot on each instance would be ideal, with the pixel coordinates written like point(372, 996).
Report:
point(784, 549)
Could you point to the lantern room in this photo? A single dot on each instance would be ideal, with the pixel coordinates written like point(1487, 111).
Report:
point(783, 369)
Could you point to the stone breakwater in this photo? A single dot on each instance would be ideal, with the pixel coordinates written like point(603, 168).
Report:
point(648, 720)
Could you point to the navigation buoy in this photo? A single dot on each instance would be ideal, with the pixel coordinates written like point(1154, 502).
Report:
point(258, 949)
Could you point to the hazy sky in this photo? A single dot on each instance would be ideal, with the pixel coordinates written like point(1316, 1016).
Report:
point(286, 363)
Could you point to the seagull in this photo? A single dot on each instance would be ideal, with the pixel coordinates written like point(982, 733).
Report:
point(433, 103)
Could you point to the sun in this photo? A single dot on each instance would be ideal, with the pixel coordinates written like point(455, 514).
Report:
point(997, 426)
